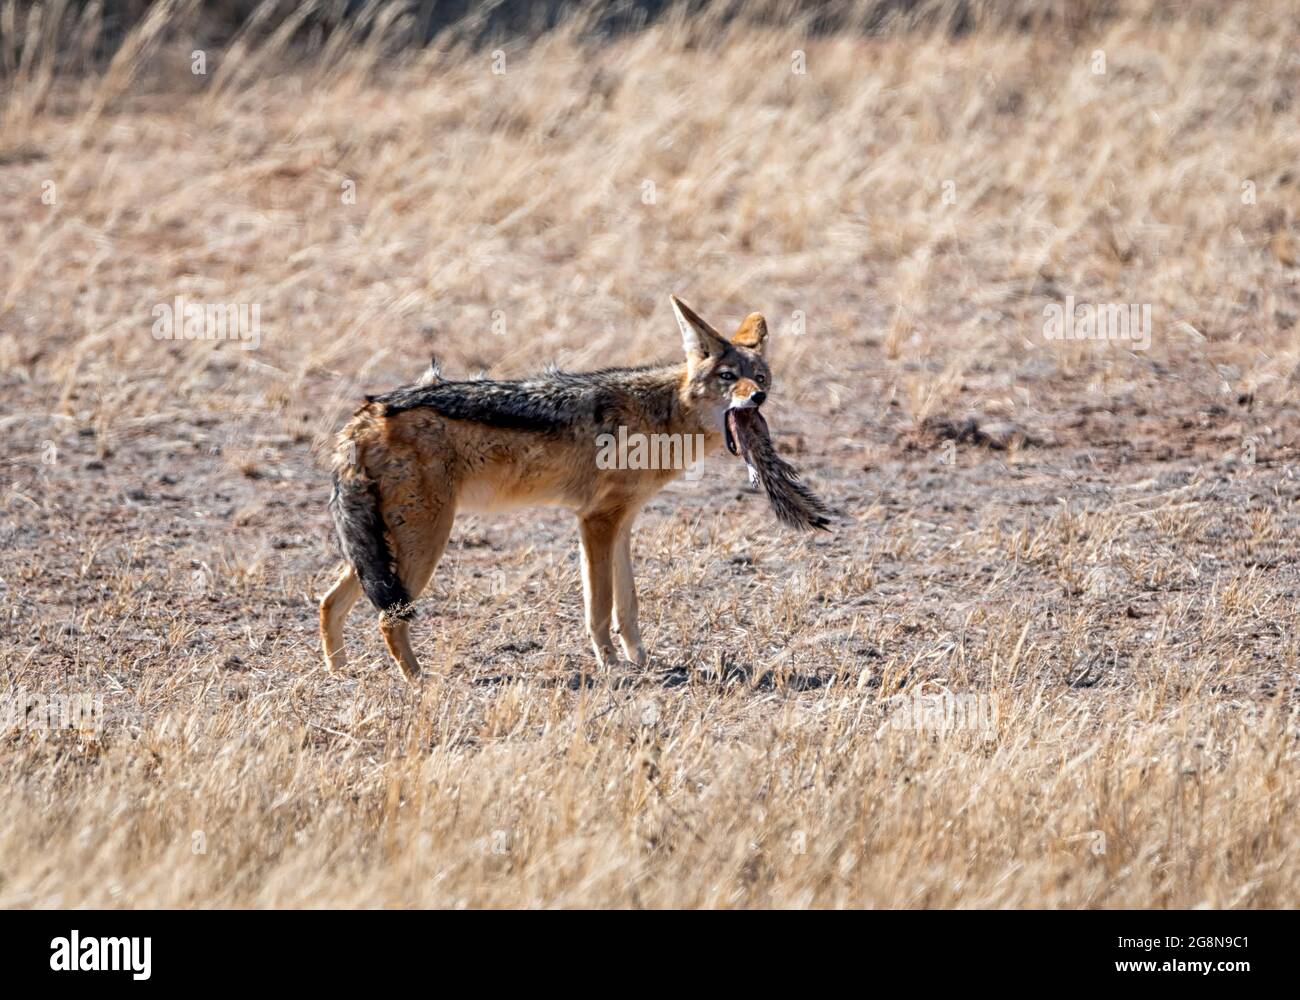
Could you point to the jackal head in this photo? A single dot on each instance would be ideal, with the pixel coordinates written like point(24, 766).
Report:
point(722, 375)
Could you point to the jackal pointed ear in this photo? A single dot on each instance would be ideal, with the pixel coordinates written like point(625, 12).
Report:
point(752, 333)
point(699, 340)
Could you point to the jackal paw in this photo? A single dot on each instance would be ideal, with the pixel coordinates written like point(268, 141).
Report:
point(336, 665)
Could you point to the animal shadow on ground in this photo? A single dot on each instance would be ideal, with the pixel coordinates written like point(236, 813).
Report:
point(578, 675)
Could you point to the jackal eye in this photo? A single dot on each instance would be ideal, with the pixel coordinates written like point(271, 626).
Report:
point(761, 379)
point(727, 376)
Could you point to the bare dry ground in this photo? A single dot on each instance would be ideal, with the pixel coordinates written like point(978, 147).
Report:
point(1094, 542)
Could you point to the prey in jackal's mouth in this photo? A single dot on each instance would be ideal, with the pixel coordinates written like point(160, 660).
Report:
point(410, 459)
point(793, 503)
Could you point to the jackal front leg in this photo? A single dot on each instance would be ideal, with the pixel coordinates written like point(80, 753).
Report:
point(599, 534)
point(625, 606)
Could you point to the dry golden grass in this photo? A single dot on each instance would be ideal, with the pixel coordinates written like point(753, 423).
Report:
point(1095, 556)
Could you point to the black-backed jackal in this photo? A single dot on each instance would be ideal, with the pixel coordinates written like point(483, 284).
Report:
point(410, 459)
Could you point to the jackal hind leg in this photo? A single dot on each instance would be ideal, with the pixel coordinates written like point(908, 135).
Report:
point(419, 543)
point(334, 608)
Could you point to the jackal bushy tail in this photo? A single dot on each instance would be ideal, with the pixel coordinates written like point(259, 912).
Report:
point(354, 506)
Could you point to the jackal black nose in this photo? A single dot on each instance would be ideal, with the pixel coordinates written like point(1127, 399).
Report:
point(758, 397)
